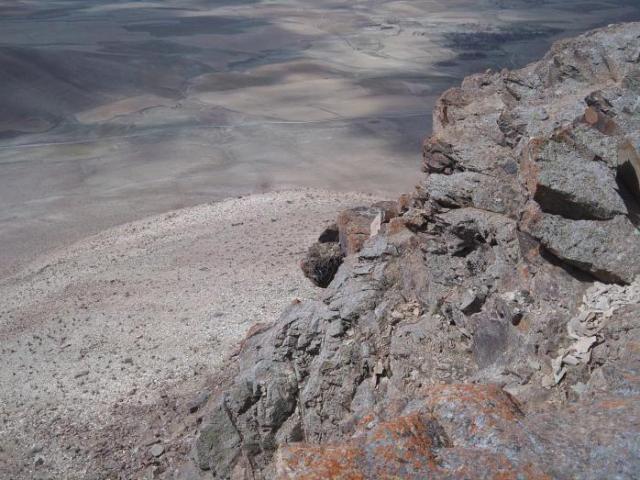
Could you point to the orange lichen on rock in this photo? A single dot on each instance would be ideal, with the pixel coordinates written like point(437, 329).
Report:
point(312, 462)
point(487, 399)
point(476, 464)
point(400, 448)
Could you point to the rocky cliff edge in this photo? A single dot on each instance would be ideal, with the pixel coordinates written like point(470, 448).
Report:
point(486, 326)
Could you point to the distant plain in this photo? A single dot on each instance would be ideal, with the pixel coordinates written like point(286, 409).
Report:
point(111, 111)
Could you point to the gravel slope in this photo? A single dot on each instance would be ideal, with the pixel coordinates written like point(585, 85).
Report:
point(133, 315)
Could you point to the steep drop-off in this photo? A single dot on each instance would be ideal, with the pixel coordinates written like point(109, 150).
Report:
point(487, 326)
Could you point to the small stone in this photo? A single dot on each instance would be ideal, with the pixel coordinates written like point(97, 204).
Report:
point(471, 302)
point(36, 449)
point(156, 450)
point(336, 328)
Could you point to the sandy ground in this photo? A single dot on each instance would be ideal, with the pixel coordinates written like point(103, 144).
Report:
point(139, 313)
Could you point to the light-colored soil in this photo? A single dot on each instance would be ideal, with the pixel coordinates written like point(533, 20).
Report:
point(138, 313)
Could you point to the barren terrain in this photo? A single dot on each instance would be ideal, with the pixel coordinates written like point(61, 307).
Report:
point(113, 110)
point(138, 313)
point(122, 282)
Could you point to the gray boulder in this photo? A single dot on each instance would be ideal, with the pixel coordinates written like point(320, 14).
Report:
point(605, 249)
point(567, 183)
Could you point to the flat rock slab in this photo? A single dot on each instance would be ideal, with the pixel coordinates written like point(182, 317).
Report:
point(570, 184)
point(608, 250)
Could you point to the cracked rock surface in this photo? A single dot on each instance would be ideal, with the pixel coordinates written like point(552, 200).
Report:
point(463, 338)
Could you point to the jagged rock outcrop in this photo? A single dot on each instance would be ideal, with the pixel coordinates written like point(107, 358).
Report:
point(491, 329)
point(346, 237)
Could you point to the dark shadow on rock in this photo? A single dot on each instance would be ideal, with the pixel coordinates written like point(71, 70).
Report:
point(570, 269)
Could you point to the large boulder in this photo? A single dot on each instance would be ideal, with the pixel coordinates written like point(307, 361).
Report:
point(321, 262)
point(605, 249)
point(566, 182)
point(356, 225)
